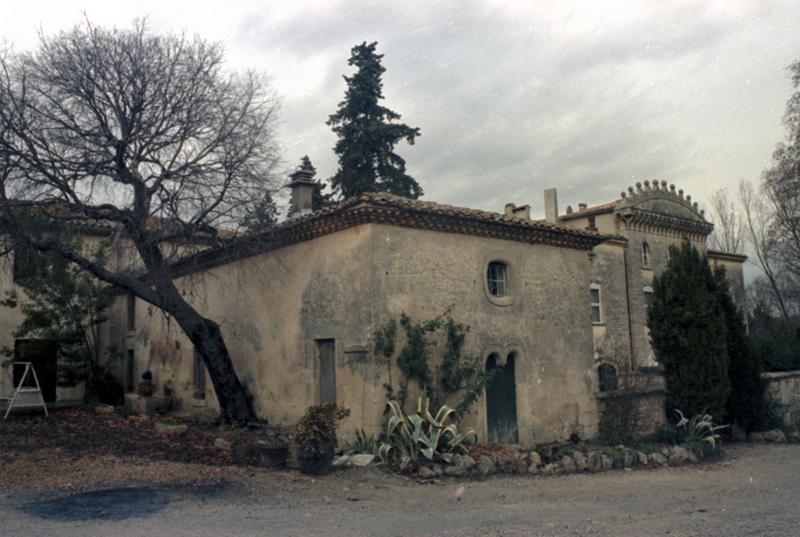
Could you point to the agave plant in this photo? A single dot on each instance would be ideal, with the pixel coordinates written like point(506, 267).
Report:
point(363, 443)
point(699, 428)
point(410, 439)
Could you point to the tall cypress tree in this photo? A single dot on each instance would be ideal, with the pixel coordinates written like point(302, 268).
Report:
point(746, 399)
point(367, 134)
point(689, 336)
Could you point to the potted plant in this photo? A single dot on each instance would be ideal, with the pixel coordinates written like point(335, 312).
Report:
point(315, 436)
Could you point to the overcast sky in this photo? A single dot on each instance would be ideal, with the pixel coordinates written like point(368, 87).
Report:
point(588, 97)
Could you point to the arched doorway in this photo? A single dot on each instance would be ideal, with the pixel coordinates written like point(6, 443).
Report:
point(501, 401)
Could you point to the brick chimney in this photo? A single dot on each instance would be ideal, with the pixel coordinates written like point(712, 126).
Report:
point(551, 206)
point(302, 184)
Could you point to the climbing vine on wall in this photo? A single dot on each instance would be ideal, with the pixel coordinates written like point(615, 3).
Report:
point(453, 374)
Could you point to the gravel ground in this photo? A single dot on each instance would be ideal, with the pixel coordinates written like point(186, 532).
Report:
point(754, 490)
point(78, 449)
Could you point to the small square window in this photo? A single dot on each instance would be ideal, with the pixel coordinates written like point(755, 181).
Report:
point(496, 277)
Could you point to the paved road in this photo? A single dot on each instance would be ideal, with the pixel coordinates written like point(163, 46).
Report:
point(754, 491)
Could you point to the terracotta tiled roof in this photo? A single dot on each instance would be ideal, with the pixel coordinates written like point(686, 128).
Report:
point(383, 208)
point(59, 214)
point(383, 199)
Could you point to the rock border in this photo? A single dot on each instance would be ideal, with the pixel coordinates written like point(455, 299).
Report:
point(485, 461)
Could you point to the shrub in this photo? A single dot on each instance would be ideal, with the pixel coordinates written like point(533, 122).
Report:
point(102, 386)
point(145, 388)
point(411, 439)
point(315, 433)
point(774, 340)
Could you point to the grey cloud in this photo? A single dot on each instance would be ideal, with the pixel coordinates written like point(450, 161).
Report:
point(508, 108)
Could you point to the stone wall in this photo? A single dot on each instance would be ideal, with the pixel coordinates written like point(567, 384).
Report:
point(274, 308)
point(640, 398)
point(546, 323)
point(783, 390)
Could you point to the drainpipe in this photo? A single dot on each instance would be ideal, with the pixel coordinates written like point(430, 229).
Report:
point(628, 305)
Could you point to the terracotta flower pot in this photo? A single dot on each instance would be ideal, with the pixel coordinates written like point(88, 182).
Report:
point(316, 465)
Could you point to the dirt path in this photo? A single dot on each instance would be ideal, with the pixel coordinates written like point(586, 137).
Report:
point(754, 491)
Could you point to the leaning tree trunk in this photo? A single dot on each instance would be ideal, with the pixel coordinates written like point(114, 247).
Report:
point(206, 337)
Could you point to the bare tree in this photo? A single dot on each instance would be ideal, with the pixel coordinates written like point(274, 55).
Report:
point(729, 228)
point(761, 234)
point(781, 187)
point(149, 133)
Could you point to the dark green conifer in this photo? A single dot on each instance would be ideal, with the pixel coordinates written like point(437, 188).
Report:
point(746, 399)
point(367, 134)
point(689, 336)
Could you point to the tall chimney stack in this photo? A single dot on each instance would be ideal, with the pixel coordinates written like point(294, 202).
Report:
point(302, 184)
point(551, 206)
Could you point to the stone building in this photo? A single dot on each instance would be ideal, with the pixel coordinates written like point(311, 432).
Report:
point(553, 304)
point(641, 226)
point(298, 308)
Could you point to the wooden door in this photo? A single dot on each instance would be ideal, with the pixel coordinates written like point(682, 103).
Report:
point(501, 402)
point(327, 370)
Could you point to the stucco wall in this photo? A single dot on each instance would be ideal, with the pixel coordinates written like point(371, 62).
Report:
point(259, 303)
point(273, 307)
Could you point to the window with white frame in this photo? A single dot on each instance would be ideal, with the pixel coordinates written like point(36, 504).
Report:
point(645, 254)
point(597, 310)
point(497, 278)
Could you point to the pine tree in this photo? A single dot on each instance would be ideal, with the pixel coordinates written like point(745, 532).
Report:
point(746, 400)
point(689, 336)
point(261, 215)
point(367, 136)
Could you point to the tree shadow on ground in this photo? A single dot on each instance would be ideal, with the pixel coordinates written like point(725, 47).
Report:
point(111, 504)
